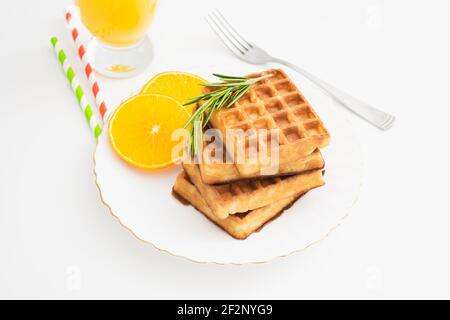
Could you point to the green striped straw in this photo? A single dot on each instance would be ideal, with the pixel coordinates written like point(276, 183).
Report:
point(76, 87)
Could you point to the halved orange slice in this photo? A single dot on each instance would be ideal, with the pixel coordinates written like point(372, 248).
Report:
point(180, 86)
point(141, 130)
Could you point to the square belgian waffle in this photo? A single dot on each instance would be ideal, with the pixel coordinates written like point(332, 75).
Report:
point(274, 103)
point(240, 197)
point(238, 226)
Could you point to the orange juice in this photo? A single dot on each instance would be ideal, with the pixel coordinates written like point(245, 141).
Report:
point(117, 22)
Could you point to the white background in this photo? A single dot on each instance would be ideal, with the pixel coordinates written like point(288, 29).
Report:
point(57, 240)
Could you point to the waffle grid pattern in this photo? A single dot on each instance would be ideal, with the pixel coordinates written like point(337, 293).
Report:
point(275, 104)
point(242, 188)
point(243, 196)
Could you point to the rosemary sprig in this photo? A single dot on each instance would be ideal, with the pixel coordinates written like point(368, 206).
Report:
point(227, 92)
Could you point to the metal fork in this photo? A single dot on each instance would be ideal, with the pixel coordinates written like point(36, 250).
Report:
point(253, 54)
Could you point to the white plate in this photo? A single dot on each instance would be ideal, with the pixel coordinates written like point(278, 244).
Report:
point(143, 201)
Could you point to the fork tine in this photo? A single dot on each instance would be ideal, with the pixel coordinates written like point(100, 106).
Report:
point(229, 31)
point(224, 37)
point(233, 29)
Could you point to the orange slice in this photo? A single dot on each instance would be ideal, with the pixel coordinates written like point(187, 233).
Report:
point(177, 85)
point(141, 130)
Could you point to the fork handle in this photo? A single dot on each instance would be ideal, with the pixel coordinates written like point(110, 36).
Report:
point(377, 118)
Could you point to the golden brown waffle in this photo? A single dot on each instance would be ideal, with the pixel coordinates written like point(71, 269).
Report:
point(274, 103)
point(221, 173)
point(244, 196)
point(238, 226)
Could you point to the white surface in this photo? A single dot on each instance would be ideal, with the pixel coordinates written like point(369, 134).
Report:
point(144, 203)
point(58, 241)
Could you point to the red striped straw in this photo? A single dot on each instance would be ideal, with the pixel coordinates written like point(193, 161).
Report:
point(81, 50)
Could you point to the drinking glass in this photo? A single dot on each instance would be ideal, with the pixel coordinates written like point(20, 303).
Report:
point(121, 47)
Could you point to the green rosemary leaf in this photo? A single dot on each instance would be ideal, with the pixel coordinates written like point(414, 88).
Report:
point(220, 103)
point(239, 95)
point(227, 94)
point(221, 85)
point(198, 99)
point(221, 76)
point(197, 131)
point(224, 99)
point(208, 117)
point(199, 112)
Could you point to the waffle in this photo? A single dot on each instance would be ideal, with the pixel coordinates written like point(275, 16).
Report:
point(221, 173)
point(244, 196)
point(238, 226)
point(273, 104)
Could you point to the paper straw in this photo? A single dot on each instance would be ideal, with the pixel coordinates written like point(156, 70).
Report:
point(76, 87)
point(81, 50)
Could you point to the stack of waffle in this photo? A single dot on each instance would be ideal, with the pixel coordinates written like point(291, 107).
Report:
point(241, 197)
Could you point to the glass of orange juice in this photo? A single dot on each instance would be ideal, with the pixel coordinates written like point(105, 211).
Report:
point(121, 47)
